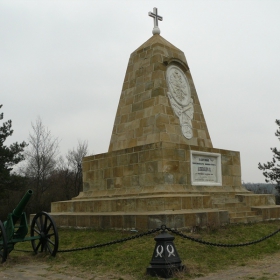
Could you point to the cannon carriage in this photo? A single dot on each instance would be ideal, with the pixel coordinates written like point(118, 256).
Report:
point(43, 231)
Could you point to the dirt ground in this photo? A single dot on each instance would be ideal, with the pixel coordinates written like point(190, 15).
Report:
point(40, 271)
point(267, 268)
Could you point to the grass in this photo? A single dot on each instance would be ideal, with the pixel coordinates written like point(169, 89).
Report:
point(130, 259)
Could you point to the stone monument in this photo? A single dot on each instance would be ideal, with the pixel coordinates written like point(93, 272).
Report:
point(161, 166)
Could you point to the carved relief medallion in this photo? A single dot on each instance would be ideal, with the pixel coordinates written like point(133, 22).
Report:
point(179, 94)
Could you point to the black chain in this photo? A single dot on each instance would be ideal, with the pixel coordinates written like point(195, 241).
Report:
point(163, 228)
point(111, 242)
point(220, 244)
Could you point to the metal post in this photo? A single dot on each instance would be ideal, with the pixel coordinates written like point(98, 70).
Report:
point(165, 260)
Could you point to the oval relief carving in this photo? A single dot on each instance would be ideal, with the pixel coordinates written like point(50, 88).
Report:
point(179, 94)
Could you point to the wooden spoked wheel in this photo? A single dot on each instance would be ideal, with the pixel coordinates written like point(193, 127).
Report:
point(43, 227)
point(3, 243)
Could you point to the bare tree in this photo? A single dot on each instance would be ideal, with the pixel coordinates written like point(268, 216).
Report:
point(64, 177)
point(75, 158)
point(41, 157)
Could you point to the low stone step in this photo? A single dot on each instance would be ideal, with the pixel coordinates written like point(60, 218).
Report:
point(242, 214)
point(268, 212)
point(230, 204)
point(186, 219)
point(225, 200)
point(256, 199)
point(245, 220)
point(240, 209)
point(134, 204)
point(233, 207)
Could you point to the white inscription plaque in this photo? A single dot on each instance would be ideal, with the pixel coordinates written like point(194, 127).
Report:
point(206, 169)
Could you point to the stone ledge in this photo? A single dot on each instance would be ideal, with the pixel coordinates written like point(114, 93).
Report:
point(256, 199)
point(173, 189)
point(181, 219)
point(245, 220)
point(267, 212)
point(134, 204)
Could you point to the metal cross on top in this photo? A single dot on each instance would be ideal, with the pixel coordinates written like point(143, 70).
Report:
point(156, 17)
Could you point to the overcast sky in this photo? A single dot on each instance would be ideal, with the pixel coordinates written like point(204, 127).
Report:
point(65, 61)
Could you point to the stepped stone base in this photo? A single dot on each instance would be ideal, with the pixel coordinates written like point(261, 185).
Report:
point(147, 186)
point(142, 221)
point(268, 212)
point(249, 207)
point(139, 212)
point(182, 211)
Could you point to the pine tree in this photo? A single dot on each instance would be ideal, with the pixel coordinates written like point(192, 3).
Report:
point(271, 169)
point(9, 155)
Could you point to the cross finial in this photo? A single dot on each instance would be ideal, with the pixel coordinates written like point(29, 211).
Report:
point(156, 17)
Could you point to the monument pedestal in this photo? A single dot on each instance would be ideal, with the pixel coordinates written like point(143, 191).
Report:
point(150, 185)
point(161, 167)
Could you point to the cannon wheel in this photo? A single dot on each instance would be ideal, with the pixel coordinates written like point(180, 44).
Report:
point(43, 227)
point(3, 243)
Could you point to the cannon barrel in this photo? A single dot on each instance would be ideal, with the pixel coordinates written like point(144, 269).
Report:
point(19, 208)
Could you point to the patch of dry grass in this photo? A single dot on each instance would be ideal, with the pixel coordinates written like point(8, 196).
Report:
point(129, 260)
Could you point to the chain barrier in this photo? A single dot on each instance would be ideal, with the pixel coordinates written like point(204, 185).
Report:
point(221, 244)
point(163, 228)
point(102, 244)
point(111, 242)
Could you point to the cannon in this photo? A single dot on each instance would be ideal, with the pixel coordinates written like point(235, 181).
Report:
point(43, 231)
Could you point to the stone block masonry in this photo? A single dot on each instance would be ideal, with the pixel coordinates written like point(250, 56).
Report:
point(151, 169)
point(144, 114)
point(161, 166)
